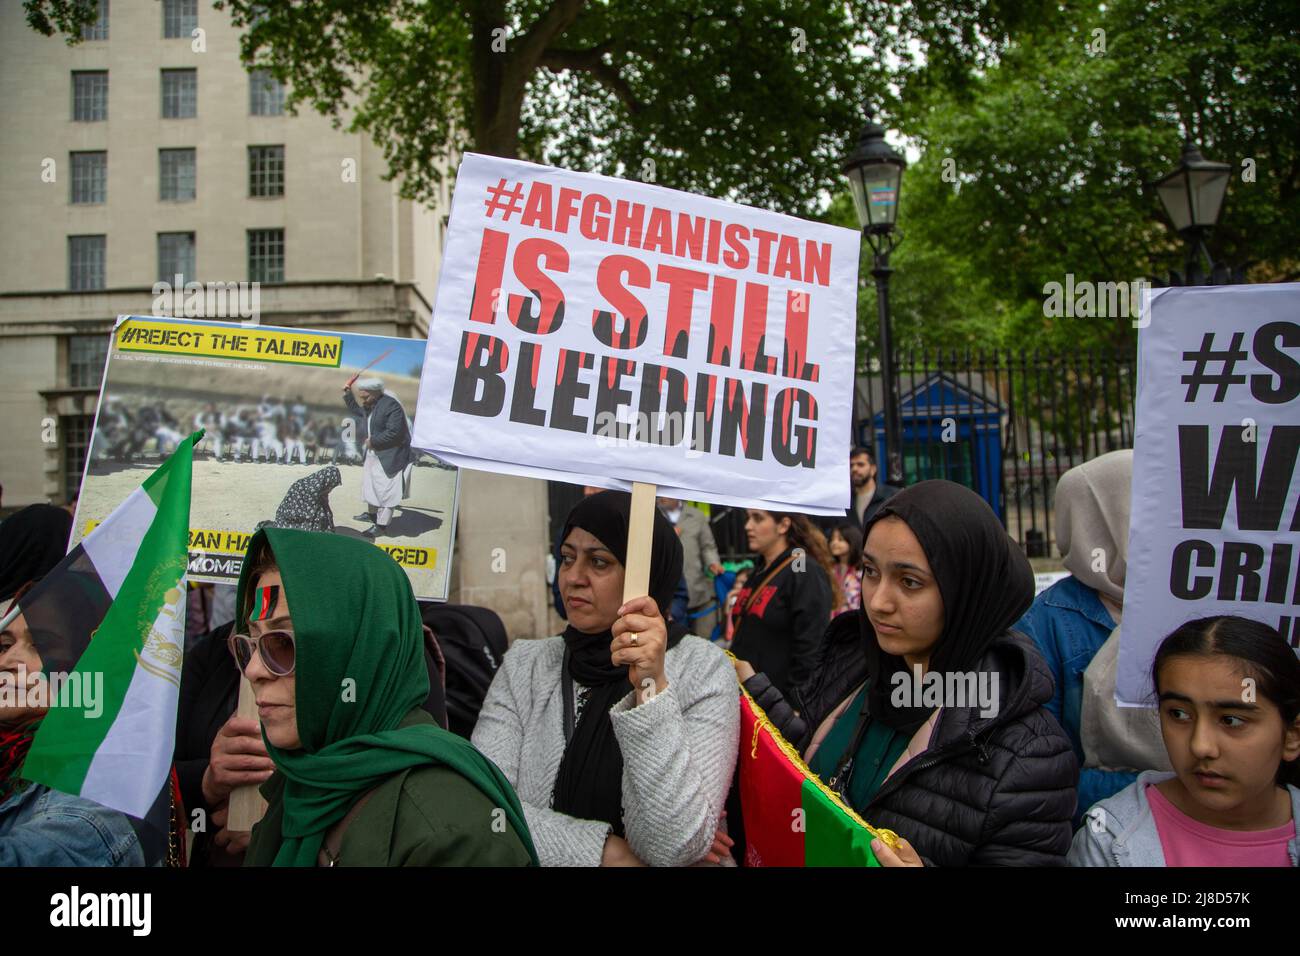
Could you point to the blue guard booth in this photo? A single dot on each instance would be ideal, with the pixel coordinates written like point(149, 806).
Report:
point(951, 429)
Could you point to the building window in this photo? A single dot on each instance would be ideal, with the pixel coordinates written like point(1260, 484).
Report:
point(266, 170)
point(175, 257)
point(89, 177)
point(176, 174)
point(85, 263)
point(76, 430)
point(180, 93)
point(90, 96)
point(97, 30)
point(265, 94)
point(180, 18)
point(86, 357)
point(266, 255)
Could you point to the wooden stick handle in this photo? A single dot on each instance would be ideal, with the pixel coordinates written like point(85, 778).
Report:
point(246, 803)
point(640, 532)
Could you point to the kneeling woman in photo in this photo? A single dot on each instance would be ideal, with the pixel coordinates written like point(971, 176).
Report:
point(329, 636)
point(966, 765)
point(620, 735)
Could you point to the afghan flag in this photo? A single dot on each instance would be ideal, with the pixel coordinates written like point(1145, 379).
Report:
point(791, 818)
point(109, 625)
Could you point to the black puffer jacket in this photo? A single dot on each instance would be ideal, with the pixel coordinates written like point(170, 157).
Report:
point(987, 791)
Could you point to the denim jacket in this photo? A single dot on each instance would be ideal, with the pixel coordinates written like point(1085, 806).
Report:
point(43, 827)
point(1126, 834)
point(1069, 624)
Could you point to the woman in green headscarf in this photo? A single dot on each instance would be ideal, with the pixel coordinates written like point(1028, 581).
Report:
point(329, 636)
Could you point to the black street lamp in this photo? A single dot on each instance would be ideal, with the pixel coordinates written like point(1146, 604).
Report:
point(1192, 195)
point(875, 174)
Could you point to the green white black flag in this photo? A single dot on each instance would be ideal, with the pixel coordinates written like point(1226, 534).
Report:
point(123, 585)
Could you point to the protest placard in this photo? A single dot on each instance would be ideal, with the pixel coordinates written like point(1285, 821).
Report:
point(282, 444)
point(606, 332)
point(1215, 512)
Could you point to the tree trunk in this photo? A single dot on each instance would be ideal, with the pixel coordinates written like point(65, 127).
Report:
point(497, 123)
point(498, 94)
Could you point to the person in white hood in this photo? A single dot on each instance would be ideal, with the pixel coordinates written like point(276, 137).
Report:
point(1075, 624)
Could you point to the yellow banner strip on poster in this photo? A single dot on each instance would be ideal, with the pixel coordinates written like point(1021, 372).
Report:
point(248, 344)
point(236, 542)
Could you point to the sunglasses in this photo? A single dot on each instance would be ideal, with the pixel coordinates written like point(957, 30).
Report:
point(275, 647)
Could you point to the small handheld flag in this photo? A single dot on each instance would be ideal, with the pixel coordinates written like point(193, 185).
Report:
point(791, 817)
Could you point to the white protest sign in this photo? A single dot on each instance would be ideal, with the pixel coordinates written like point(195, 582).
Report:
point(1215, 513)
point(600, 331)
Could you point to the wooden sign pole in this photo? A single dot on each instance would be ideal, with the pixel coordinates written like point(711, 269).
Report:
point(246, 803)
point(640, 532)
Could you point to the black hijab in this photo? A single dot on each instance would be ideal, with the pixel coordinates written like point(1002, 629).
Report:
point(984, 579)
point(589, 784)
point(32, 542)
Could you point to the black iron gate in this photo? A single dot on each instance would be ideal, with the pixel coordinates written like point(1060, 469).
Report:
point(1006, 423)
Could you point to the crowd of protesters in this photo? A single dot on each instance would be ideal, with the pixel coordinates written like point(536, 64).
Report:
point(615, 742)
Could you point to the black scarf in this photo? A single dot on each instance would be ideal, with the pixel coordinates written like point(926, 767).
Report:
point(32, 542)
point(589, 784)
point(984, 579)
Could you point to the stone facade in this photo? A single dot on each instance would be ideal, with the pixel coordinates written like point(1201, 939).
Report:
point(357, 256)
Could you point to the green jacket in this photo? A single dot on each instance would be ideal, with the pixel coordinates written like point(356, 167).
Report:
point(424, 816)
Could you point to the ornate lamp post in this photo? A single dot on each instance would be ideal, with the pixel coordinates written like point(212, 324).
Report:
point(1192, 195)
point(875, 175)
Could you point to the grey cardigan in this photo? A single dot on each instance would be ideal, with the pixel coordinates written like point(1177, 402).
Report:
point(679, 751)
point(1121, 830)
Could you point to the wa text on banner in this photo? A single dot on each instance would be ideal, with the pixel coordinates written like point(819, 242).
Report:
point(1216, 520)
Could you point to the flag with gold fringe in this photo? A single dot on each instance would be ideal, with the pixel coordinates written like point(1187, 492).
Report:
point(791, 817)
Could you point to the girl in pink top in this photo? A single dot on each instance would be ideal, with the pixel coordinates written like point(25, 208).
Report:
point(1229, 692)
point(846, 548)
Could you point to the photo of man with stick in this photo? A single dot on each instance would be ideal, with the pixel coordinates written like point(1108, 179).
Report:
point(386, 474)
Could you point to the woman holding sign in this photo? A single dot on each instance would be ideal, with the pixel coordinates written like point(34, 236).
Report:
point(620, 735)
point(924, 711)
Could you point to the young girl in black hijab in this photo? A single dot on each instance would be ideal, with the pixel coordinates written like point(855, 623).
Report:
point(965, 764)
point(619, 736)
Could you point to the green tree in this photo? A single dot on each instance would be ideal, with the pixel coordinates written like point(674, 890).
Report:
point(754, 100)
point(1038, 166)
point(1039, 124)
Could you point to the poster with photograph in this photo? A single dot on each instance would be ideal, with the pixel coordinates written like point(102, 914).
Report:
point(304, 429)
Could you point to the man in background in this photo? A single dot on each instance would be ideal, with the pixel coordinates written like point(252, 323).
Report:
point(700, 553)
point(868, 493)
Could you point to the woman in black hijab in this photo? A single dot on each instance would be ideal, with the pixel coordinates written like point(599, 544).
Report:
point(620, 735)
point(925, 712)
point(32, 542)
